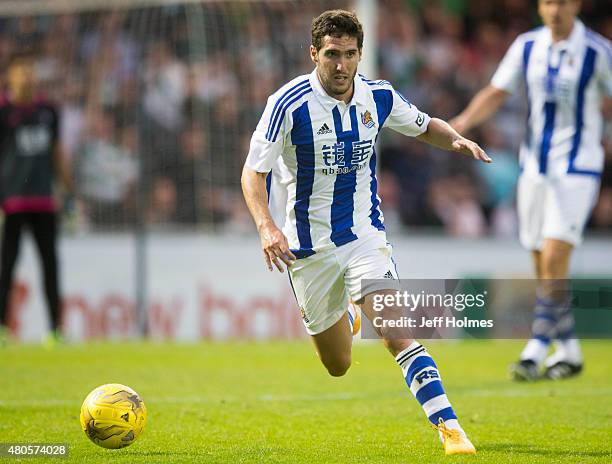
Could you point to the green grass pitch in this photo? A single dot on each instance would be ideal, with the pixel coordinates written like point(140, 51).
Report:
point(273, 403)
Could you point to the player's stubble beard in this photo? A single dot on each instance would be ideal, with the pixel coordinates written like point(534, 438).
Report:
point(333, 89)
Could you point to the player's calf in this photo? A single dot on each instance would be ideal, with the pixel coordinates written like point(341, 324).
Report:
point(334, 347)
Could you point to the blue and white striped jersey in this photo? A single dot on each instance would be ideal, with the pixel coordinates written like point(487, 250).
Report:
point(565, 83)
point(322, 153)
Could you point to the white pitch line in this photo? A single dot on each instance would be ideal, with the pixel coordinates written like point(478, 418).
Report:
point(530, 392)
point(269, 397)
point(342, 396)
point(345, 396)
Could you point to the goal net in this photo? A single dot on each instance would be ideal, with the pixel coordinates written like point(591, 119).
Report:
point(158, 99)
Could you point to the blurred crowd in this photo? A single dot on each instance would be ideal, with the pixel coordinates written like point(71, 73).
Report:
point(439, 54)
point(158, 105)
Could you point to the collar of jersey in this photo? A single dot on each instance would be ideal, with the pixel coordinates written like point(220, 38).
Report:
point(329, 102)
point(573, 42)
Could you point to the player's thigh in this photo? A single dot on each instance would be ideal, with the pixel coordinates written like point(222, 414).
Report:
point(318, 284)
point(369, 268)
point(569, 204)
point(531, 197)
point(371, 273)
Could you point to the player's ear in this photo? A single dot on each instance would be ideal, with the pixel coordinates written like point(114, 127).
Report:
point(314, 56)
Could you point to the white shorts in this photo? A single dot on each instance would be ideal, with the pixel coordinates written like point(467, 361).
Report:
point(325, 282)
point(556, 208)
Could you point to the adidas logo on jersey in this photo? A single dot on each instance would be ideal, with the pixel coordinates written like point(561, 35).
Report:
point(324, 130)
point(388, 275)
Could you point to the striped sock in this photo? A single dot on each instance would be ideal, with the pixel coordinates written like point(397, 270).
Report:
point(568, 347)
point(565, 320)
point(543, 330)
point(544, 320)
point(423, 380)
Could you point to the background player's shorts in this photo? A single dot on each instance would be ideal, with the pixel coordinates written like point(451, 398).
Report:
point(556, 208)
point(324, 282)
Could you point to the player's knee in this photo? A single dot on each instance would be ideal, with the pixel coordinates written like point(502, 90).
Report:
point(339, 366)
point(338, 371)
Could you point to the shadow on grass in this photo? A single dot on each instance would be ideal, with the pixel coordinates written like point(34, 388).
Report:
point(512, 448)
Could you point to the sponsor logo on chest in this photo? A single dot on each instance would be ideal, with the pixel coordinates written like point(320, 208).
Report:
point(341, 153)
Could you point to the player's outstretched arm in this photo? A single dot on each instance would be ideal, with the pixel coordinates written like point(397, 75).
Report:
point(484, 105)
point(442, 135)
point(273, 242)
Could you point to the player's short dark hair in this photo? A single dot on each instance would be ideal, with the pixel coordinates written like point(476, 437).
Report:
point(336, 23)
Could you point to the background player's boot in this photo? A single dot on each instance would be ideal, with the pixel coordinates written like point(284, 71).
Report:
point(454, 441)
point(525, 370)
point(562, 370)
point(565, 362)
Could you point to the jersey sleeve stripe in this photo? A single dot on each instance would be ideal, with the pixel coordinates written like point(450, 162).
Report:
point(281, 101)
point(372, 83)
point(403, 98)
point(284, 108)
point(384, 104)
point(269, 185)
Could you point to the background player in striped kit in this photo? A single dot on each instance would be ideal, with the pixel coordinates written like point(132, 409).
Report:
point(30, 160)
point(567, 72)
point(317, 133)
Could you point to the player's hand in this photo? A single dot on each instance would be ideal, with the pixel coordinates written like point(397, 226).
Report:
point(468, 147)
point(275, 247)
